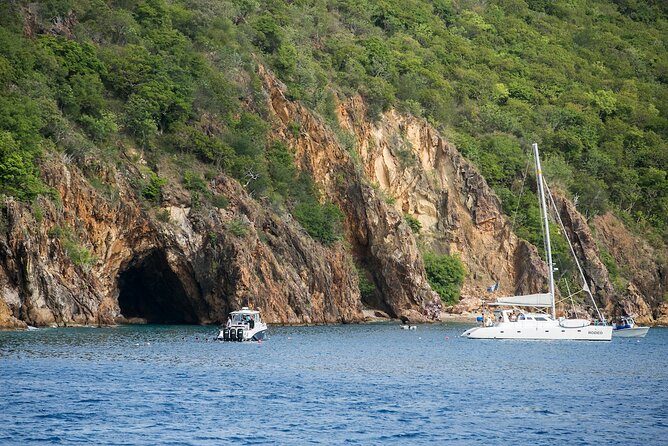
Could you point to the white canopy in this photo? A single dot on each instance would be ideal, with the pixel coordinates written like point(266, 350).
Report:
point(528, 300)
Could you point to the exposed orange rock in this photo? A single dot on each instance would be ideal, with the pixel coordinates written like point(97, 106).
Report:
point(380, 238)
point(431, 181)
point(198, 267)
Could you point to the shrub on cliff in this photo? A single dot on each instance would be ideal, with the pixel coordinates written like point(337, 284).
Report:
point(151, 189)
point(366, 285)
point(413, 222)
point(321, 221)
point(445, 275)
point(18, 175)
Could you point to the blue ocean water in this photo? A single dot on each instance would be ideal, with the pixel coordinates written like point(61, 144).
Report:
point(345, 384)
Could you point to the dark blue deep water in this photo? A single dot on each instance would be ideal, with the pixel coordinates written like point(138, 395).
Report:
point(348, 384)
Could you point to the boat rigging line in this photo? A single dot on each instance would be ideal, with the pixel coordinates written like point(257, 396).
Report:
point(585, 286)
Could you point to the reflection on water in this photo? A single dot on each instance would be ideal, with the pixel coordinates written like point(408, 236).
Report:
point(356, 384)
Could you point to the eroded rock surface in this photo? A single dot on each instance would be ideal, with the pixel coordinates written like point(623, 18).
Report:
point(428, 179)
point(102, 255)
point(193, 268)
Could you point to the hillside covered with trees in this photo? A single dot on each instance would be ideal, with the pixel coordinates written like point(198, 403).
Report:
point(587, 80)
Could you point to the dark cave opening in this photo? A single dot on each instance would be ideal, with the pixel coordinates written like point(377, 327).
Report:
point(149, 290)
point(371, 294)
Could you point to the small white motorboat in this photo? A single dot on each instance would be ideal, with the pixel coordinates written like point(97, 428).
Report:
point(408, 327)
point(243, 325)
point(627, 328)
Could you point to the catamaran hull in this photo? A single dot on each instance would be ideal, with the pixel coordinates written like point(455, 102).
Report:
point(589, 333)
point(635, 332)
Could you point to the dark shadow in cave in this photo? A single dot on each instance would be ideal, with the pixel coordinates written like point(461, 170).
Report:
point(374, 299)
point(150, 290)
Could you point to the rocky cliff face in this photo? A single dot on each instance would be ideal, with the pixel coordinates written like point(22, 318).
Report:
point(101, 255)
point(428, 179)
point(639, 284)
point(95, 259)
point(381, 240)
point(643, 287)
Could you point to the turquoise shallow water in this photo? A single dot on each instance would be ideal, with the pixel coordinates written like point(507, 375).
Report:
point(347, 384)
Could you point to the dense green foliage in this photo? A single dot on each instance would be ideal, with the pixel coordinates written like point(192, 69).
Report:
point(585, 79)
point(445, 274)
point(152, 189)
point(174, 78)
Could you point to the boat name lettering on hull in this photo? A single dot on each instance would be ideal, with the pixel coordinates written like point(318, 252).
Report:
point(595, 332)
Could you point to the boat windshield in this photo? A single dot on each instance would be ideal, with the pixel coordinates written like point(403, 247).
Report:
point(242, 318)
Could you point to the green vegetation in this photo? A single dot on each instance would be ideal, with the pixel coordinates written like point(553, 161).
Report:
point(238, 227)
point(172, 78)
point(322, 222)
point(163, 215)
point(37, 212)
point(18, 174)
point(152, 188)
point(413, 222)
point(219, 201)
point(587, 80)
point(78, 254)
point(445, 274)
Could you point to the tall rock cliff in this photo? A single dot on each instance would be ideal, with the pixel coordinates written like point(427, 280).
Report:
point(98, 253)
point(642, 285)
point(428, 179)
point(638, 283)
point(380, 238)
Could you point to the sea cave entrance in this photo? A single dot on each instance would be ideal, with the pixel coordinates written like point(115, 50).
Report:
point(150, 291)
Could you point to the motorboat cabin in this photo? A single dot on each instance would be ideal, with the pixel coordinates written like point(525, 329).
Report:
point(243, 325)
point(627, 328)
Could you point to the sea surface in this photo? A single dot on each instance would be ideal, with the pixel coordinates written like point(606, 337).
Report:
point(343, 384)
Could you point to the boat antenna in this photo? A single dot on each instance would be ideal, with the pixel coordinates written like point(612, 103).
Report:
point(585, 286)
point(543, 206)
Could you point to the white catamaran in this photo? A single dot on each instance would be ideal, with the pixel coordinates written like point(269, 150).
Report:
point(515, 323)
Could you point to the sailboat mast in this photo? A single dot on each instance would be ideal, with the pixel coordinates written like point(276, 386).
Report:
point(543, 207)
